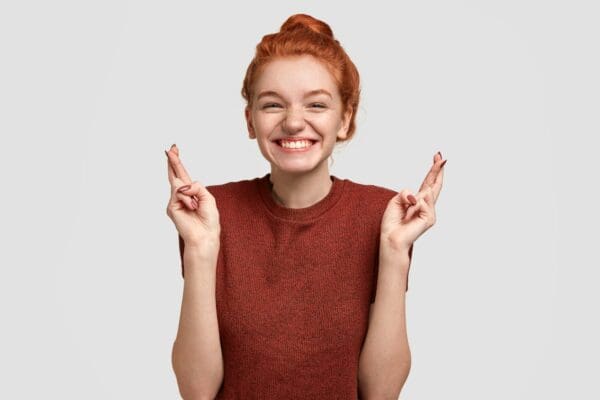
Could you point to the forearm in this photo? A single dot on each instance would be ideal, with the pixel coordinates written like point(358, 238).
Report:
point(197, 359)
point(385, 358)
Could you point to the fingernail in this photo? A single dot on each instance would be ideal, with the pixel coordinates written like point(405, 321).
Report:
point(442, 164)
point(173, 145)
point(186, 187)
point(194, 203)
point(412, 199)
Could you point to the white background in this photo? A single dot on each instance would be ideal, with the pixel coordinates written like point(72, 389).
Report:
point(503, 299)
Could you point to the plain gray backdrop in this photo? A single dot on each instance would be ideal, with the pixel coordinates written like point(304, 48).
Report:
point(503, 299)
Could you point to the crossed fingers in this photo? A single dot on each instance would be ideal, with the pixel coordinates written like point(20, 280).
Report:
point(176, 170)
point(175, 167)
point(434, 177)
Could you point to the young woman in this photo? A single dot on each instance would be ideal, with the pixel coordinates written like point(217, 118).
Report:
point(281, 272)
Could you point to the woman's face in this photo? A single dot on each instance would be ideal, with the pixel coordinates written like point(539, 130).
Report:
point(294, 98)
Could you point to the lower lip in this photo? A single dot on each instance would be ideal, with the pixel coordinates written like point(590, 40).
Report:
point(296, 150)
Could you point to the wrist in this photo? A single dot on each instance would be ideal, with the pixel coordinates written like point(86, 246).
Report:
point(207, 246)
point(393, 247)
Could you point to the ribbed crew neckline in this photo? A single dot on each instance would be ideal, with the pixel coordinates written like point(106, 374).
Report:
point(300, 214)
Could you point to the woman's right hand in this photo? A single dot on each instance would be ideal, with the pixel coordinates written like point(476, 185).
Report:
point(194, 211)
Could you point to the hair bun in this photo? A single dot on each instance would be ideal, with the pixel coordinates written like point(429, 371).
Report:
point(305, 21)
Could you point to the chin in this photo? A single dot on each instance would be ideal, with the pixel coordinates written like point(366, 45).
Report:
point(298, 169)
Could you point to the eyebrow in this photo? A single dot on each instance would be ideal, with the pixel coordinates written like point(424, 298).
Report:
point(311, 93)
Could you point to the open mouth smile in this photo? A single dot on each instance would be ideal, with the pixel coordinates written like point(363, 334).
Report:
point(295, 146)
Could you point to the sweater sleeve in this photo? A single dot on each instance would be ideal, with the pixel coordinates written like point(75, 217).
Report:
point(376, 272)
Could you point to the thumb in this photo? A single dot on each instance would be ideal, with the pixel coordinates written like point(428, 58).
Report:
point(177, 195)
point(405, 199)
point(197, 191)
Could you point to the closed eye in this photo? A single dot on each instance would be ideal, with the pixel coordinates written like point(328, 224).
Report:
point(270, 105)
point(315, 105)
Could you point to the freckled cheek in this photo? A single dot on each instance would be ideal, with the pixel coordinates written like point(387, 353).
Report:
point(326, 127)
point(263, 127)
point(267, 122)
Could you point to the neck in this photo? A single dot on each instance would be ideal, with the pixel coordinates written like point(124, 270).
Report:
point(299, 191)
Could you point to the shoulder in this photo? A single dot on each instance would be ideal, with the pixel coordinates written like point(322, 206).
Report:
point(369, 200)
point(235, 198)
point(233, 189)
point(371, 192)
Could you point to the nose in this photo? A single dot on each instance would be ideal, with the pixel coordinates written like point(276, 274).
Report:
point(294, 120)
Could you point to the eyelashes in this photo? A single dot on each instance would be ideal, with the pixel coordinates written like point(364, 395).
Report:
point(316, 105)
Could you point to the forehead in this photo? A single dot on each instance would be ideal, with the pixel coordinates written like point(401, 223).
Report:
point(295, 74)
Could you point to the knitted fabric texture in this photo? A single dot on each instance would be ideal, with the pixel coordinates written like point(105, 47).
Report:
point(293, 288)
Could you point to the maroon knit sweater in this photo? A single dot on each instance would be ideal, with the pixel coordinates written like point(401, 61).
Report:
point(293, 289)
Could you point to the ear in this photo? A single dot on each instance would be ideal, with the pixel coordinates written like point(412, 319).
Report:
point(345, 123)
point(248, 115)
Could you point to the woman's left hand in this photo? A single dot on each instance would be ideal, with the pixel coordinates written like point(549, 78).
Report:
point(408, 216)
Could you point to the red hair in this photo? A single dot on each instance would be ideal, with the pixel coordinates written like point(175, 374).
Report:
point(302, 34)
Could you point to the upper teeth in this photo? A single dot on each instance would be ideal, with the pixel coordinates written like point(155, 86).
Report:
point(295, 144)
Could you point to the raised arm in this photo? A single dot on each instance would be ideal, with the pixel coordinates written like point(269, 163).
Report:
point(197, 359)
